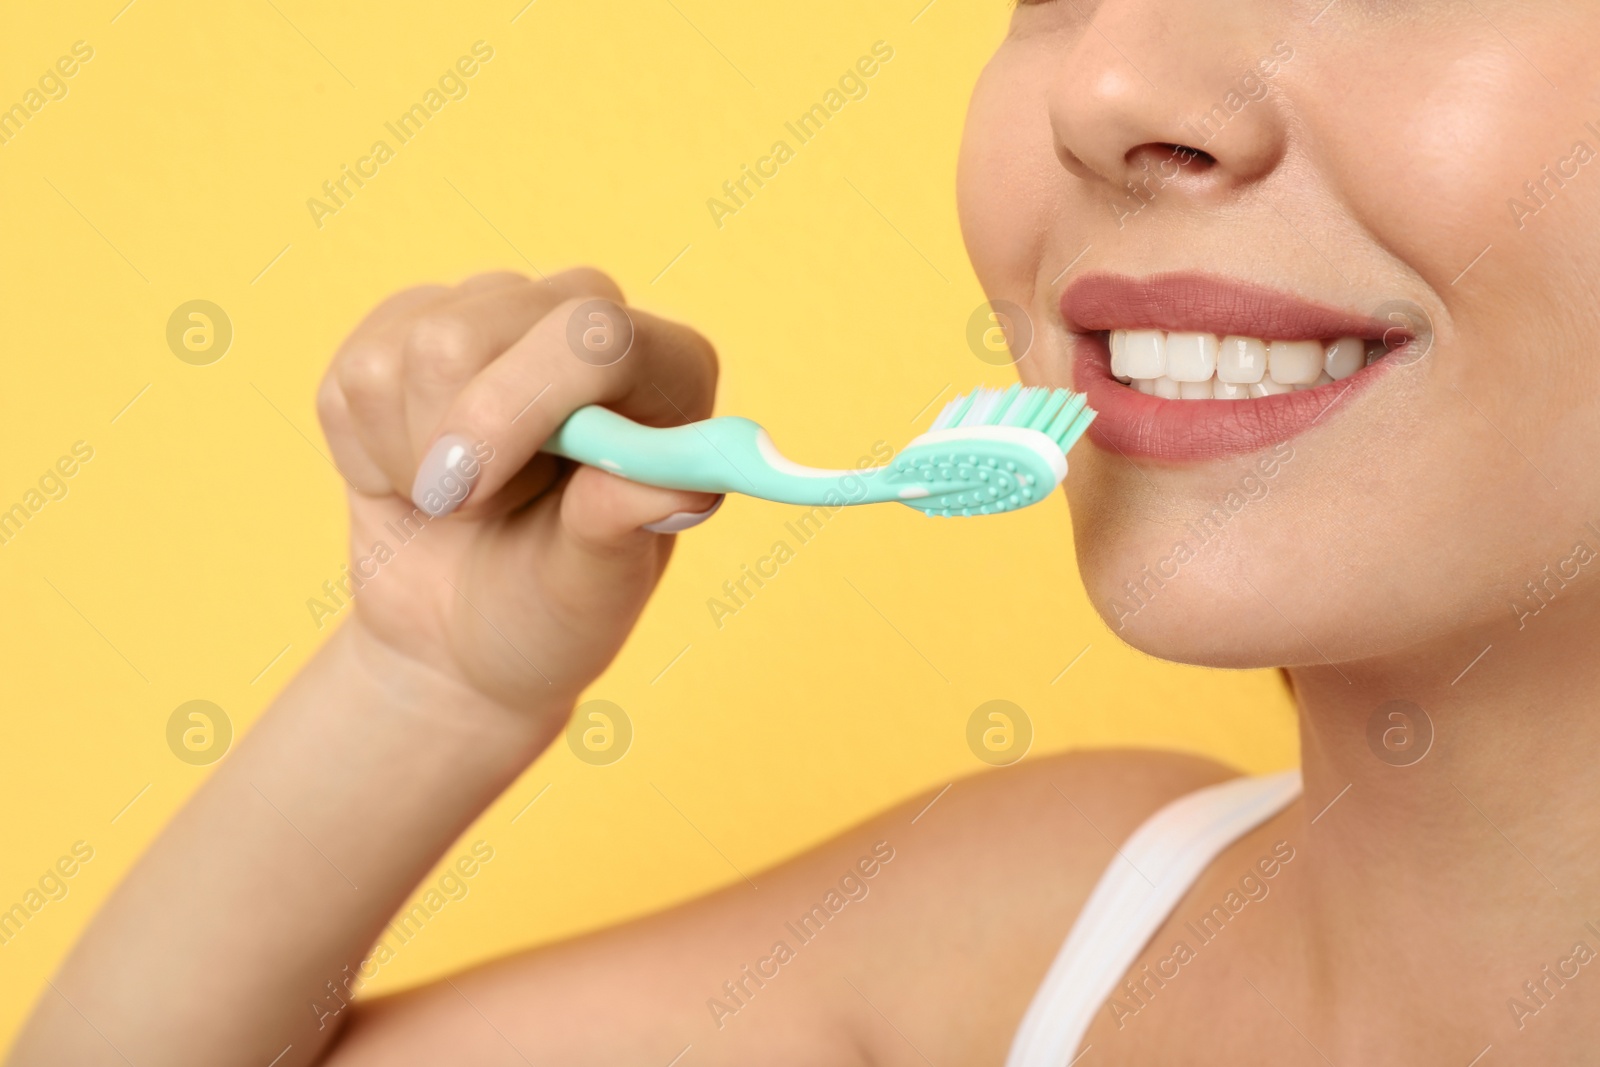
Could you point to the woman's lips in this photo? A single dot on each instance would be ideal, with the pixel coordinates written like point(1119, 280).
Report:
point(1138, 424)
point(1204, 304)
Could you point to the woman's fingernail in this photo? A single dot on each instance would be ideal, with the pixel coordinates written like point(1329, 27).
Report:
point(684, 520)
point(445, 476)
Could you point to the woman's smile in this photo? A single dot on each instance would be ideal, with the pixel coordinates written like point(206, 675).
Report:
point(1186, 367)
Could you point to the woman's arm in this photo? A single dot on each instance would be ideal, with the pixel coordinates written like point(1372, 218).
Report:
point(237, 931)
point(490, 585)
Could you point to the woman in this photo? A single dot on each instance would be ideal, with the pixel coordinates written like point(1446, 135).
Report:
point(1263, 195)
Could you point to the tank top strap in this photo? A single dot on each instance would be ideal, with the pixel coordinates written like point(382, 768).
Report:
point(1145, 881)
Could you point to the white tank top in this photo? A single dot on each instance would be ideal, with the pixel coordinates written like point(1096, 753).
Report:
point(1136, 894)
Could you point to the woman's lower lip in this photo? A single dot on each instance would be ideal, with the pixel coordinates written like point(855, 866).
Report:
point(1138, 424)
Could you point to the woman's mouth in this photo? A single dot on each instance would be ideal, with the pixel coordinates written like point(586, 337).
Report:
point(1188, 367)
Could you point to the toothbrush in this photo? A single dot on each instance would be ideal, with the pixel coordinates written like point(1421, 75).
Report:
point(988, 451)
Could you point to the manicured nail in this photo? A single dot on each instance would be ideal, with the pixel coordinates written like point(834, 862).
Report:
point(446, 475)
point(684, 520)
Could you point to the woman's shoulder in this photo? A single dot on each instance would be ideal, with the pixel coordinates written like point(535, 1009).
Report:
point(1053, 822)
point(1097, 793)
point(1029, 840)
point(934, 921)
point(990, 872)
point(1039, 834)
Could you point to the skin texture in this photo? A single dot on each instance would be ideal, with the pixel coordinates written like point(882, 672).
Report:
point(1376, 164)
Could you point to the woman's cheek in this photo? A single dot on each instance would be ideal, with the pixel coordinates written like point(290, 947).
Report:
point(1003, 190)
point(1486, 183)
point(1435, 180)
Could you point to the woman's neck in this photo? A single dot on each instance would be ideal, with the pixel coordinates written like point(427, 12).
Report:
point(1452, 820)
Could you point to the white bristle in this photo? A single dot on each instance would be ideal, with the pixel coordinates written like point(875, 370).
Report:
point(983, 402)
point(1058, 413)
point(979, 413)
point(983, 405)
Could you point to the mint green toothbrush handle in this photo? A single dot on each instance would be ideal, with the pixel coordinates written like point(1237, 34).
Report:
point(723, 455)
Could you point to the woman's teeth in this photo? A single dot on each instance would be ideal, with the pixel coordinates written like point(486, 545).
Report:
point(1202, 366)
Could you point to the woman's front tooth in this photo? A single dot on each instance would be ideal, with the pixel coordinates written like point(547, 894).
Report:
point(1294, 362)
point(1144, 353)
point(1119, 357)
point(1166, 388)
point(1195, 390)
point(1241, 360)
point(1344, 357)
point(1221, 390)
point(1268, 387)
point(1191, 357)
point(1146, 386)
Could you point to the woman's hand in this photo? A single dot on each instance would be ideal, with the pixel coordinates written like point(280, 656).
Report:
point(472, 554)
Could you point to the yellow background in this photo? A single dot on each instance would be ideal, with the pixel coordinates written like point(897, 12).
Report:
point(179, 564)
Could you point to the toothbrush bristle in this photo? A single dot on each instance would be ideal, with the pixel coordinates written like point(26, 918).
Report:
point(1061, 414)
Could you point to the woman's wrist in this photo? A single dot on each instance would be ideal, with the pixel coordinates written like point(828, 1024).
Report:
point(422, 692)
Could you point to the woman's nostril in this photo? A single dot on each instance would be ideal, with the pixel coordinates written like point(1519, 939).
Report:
point(1197, 159)
point(1153, 165)
point(1170, 159)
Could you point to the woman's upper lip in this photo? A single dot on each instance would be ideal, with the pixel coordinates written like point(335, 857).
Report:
point(1203, 303)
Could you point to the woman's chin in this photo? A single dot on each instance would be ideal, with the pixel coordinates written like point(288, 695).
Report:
point(1198, 643)
point(1226, 625)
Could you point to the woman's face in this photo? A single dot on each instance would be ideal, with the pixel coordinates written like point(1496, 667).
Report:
point(1419, 176)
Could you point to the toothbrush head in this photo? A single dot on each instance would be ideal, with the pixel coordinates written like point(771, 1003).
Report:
point(992, 450)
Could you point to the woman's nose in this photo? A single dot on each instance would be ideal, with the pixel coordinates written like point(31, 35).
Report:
point(1183, 89)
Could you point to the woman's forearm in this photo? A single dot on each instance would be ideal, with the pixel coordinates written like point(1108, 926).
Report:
point(228, 943)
